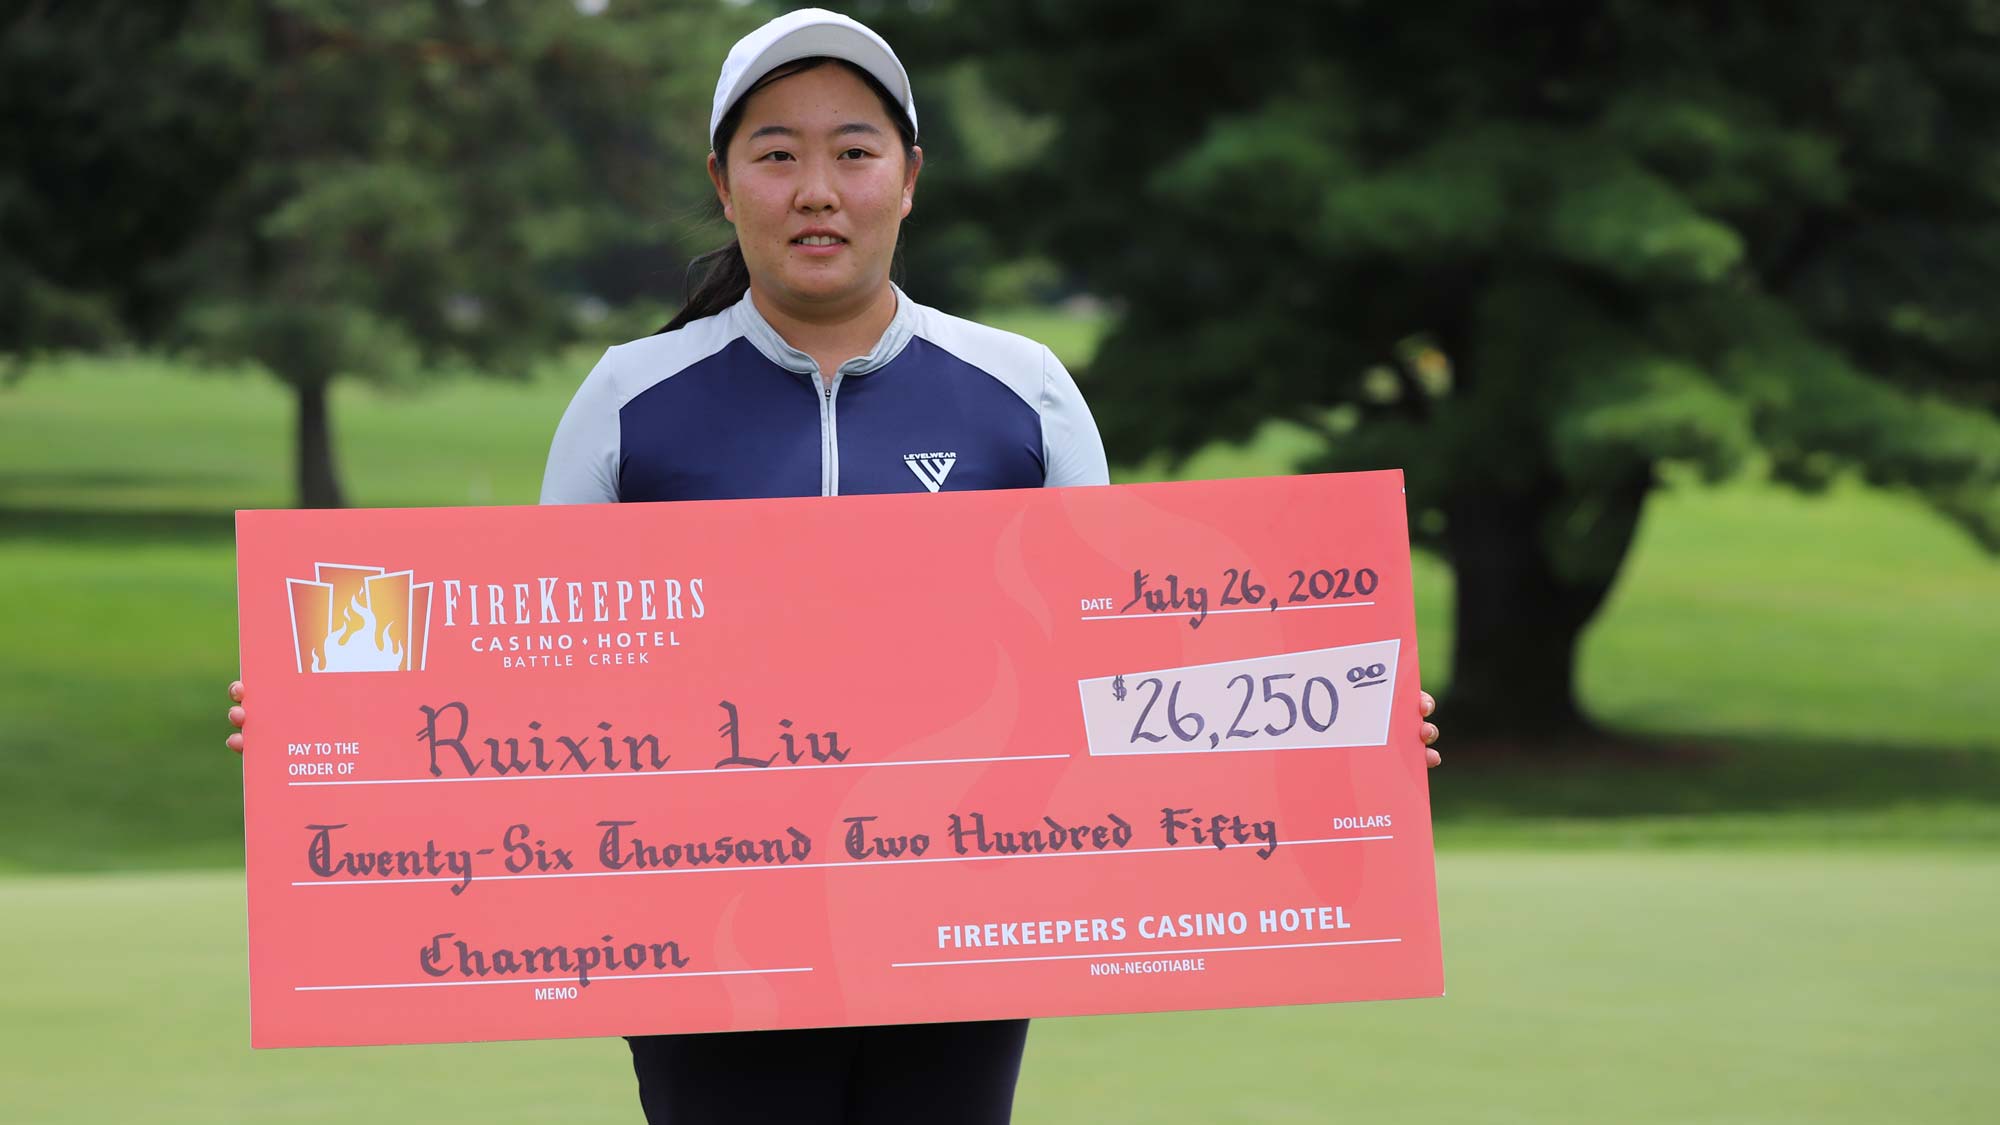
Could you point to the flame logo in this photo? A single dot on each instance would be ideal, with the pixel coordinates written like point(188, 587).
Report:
point(359, 619)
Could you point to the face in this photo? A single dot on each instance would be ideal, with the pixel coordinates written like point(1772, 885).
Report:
point(817, 187)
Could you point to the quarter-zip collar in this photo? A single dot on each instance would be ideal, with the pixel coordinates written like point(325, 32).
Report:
point(751, 323)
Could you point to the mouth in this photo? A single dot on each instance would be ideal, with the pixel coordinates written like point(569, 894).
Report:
point(819, 243)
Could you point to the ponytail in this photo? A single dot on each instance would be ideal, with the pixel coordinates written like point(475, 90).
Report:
point(724, 280)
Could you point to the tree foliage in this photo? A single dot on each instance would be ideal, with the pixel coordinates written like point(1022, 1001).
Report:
point(434, 184)
point(118, 142)
point(397, 187)
point(1530, 252)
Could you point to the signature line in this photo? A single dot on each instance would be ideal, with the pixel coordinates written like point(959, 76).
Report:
point(540, 980)
point(1121, 956)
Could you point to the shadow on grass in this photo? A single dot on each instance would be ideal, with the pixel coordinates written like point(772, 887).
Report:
point(1617, 778)
point(109, 478)
point(116, 525)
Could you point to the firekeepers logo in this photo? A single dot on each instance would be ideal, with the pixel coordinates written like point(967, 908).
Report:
point(359, 619)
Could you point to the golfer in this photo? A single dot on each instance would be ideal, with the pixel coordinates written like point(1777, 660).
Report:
point(798, 368)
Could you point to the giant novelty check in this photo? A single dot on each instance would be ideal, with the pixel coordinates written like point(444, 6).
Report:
point(622, 769)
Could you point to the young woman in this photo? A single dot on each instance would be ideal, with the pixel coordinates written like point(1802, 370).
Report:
point(797, 369)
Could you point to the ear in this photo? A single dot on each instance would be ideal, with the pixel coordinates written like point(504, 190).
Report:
point(916, 165)
point(721, 182)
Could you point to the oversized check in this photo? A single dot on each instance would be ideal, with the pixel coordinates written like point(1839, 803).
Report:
point(622, 769)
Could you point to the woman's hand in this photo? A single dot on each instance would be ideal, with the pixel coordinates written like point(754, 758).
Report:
point(235, 741)
point(1430, 730)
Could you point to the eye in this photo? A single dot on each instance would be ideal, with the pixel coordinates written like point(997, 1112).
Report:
point(855, 154)
point(776, 154)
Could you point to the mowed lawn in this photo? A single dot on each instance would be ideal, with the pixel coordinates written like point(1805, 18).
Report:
point(1770, 898)
point(1819, 667)
point(1629, 987)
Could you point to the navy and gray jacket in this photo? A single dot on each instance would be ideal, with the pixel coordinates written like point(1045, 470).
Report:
point(723, 408)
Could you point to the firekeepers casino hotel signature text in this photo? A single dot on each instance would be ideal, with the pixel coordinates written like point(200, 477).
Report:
point(629, 603)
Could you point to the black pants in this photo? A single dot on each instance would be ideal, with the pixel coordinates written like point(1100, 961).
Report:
point(938, 1072)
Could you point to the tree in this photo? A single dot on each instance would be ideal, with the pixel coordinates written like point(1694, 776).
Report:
point(1531, 253)
point(438, 185)
point(120, 143)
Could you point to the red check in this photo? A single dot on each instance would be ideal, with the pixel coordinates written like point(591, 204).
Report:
point(625, 769)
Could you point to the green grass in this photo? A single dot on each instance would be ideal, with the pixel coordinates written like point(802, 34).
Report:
point(117, 578)
point(88, 439)
point(1073, 338)
point(1854, 616)
point(1637, 988)
point(90, 442)
point(1769, 900)
point(1809, 670)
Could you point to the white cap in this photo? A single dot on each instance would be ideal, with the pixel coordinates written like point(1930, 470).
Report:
point(808, 33)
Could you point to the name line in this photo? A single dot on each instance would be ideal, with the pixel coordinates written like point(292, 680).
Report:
point(677, 773)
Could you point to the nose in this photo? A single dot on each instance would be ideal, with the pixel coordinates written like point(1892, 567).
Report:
point(815, 187)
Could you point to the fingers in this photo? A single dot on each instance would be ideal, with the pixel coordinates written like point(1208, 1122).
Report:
point(235, 741)
point(1430, 731)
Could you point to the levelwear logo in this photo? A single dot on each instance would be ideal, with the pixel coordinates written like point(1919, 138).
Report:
point(931, 468)
point(359, 619)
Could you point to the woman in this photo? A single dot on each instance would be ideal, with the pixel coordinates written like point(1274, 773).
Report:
point(799, 368)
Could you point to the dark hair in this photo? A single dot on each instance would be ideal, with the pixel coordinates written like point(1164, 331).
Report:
point(724, 274)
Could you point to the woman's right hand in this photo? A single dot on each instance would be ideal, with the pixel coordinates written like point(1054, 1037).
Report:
point(236, 716)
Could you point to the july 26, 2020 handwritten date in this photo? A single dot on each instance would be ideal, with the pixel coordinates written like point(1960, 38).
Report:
point(1169, 596)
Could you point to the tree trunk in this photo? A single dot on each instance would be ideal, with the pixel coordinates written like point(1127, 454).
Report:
point(319, 484)
point(1519, 614)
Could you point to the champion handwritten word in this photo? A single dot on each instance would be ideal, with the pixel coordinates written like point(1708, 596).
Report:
point(461, 959)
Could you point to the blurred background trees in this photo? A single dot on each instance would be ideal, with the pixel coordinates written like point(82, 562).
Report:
point(1530, 253)
point(1556, 260)
point(119, 139)
point(327, 188)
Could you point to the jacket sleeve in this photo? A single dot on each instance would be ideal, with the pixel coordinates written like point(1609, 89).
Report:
point(583, 458)
point(1071, 448)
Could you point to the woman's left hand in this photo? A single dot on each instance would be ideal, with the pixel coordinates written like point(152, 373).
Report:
point(1430, 730)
